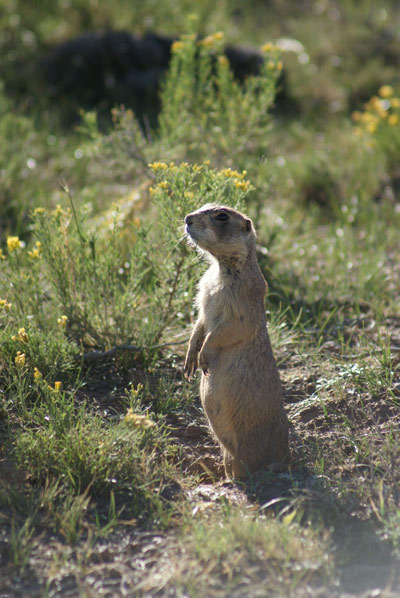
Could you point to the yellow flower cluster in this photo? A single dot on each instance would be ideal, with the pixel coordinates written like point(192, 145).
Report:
point(58, 211)
point(35, 253)
point(5, 305)
point(138, 421)
point(176, 46)
point(20, 359)
point(232, 174)
point(38, 379)
point(237, 178)
point(386, 91)
point(158, 166)
point(179, 44)
point(381, 109)
point(57, 386)
point(2, 256)
point(210, 40)
point(274, 63)
point(268, 47)
point(62, 322)
point(13, 243)
point(242, 185)
point(21, 336)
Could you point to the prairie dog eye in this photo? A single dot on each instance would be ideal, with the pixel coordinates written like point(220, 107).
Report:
point(222, 216)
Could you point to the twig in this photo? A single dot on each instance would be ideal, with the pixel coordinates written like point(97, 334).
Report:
point(66, 189)
point(94, 355)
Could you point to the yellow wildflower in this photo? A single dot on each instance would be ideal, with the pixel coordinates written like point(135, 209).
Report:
point(207, 41)
point(267, 47)
point(58, 211)
point(38, 211)
point(158, 166)
point(395, 102)
point(393, 119)
point(223, 60)
point(243, 185)
point(5, 305)
point(2, 256)
point(138, 421)
point(163, 185)
point(36, 374)
point(62, 322)
point(218, 35)
point(35, 253)
point(206, 162)
point(13, 243)
point(367, 117)
point(57, 386)
point(188, 195)
point(371, 127)
point(177, 45)
point(386, 91)
point(22, 336)
point(229, 173)
point(271, 65)
point(20, 359)
point(379, 106)
point(279, 65)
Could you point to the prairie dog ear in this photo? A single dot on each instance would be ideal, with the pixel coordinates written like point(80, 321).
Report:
point(248, 224)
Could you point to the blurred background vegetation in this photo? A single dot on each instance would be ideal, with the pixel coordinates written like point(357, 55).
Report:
point(336, 55)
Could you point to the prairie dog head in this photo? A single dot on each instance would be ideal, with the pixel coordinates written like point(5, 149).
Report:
point(222, 231)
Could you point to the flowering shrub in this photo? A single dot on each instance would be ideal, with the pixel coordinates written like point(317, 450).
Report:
point(104, 286)
point(206, 113)
point(380, 122)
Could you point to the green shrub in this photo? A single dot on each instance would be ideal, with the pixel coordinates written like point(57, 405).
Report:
point(121, 285)
point(206, 113)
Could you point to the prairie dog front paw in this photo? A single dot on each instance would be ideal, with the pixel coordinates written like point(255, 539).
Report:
point(191, 363)
point(204, 361)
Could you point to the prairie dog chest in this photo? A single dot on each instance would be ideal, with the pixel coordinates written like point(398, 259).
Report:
point(216, 298)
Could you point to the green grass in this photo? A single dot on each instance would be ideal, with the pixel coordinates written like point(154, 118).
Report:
point(106, 469)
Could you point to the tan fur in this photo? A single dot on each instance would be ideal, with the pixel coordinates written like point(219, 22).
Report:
point(240, 387)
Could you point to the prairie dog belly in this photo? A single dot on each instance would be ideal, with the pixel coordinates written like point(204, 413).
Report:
point(242, 381)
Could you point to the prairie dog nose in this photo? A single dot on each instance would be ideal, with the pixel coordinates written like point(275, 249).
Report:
point(189, 220)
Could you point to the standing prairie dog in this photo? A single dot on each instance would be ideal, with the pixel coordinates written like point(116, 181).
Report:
point(240, 389)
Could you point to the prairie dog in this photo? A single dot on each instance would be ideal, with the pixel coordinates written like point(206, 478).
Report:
point(240, 388)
